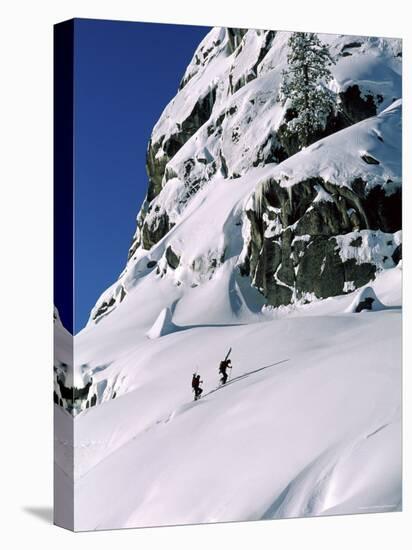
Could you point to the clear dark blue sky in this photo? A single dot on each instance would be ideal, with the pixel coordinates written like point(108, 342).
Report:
point(125, 74)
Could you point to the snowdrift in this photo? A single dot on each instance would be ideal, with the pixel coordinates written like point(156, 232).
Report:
point(365, 300)
point(163, 325)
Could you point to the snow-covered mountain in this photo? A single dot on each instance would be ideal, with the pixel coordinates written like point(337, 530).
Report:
point(244, 241)
point(222, 138)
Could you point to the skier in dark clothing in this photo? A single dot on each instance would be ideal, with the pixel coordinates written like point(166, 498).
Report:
point(196, 385)
point(224, 365)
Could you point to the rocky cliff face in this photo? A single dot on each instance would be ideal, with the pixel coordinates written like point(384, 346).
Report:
point(333, 226)
point(314, 223)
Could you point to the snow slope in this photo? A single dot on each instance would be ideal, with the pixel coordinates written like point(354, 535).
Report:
point(280, 440)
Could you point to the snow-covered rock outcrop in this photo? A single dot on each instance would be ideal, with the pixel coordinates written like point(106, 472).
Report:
point(321, 201)
point(276, 214)
point(365, 300)
point(72, 381)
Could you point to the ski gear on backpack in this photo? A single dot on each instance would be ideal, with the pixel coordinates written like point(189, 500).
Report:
point(224, 365)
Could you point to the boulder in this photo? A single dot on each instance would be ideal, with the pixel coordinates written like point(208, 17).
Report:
point(365, 300)
point(172, 258)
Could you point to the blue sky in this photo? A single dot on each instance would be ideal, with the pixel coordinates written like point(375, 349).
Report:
point(125, 74)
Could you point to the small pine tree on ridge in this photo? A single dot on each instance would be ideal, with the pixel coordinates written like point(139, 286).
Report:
point(304, 86)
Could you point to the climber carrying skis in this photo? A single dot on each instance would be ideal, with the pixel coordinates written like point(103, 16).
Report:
point(224, 365)
point(196, 385)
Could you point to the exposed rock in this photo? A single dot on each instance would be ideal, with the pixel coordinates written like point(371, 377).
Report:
point(354, 106)
point(172, 258)
point(320, 270)
point(223, 165)
point(365, 300)
point(356, 242)
point(351, 45)
point(234, 38)
point(397, 255)
point(161, 152)
point(104, 307)
point(155, 228)
point(366, 304)
point(369, 159)
point(155, 167)
point(270, 151)
point(382, 211)
point(122, 294)
point(289, 144)
point(200, 114)
point(359, 273)
point(303, 256)
point(72, 398)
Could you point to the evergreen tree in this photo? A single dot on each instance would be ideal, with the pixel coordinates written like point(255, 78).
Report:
point(304, 86)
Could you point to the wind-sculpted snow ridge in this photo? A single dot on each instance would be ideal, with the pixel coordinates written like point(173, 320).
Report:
point(163, 325)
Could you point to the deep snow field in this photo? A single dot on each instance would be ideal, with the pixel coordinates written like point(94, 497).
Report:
point(317, 432)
